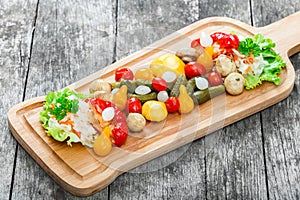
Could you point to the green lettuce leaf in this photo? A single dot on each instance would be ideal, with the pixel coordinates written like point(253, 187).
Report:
point(252, 81)
point(60, 135)
point(271, 72)
point(264, 43)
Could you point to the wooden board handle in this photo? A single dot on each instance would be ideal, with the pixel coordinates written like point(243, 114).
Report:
point(285, 33)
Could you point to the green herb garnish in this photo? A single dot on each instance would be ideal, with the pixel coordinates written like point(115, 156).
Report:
point(60, 103)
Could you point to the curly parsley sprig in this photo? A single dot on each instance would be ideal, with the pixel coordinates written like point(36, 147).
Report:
point(60, 103)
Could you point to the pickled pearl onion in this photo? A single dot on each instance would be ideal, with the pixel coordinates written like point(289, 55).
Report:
point(205, 40)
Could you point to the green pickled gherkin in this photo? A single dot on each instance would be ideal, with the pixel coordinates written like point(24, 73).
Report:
point(145, 97)
point(181, 80)
point(190, 86)
point(139, 82)
point(115, 85)
point(202, 96)
point(132, 84)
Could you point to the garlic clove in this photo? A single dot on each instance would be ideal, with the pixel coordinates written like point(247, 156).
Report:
point(169, 76)
point(162, 96)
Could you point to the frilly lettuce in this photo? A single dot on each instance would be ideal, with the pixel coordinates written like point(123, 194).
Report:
point(61, 135)
point(251, 81)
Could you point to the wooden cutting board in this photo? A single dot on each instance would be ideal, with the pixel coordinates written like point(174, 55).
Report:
point(78, 170)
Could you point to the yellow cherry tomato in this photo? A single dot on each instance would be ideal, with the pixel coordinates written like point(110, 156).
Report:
point(144, 74)
point(167, 62)
point(154, 111)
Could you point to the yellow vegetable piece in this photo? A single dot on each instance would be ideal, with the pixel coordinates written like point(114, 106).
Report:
point(106, 131)
point(144, 74)
point(185, 101)
point(120, 97)
point(167, 62)
point(206, 60)
point(102, 145)
point(154, 111)
point(209, 50)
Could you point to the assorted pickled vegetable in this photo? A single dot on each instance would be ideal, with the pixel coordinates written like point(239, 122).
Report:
point(212, 65)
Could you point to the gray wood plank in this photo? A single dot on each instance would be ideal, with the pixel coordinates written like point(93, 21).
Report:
point(235, 163)
point(72, 40)
point(234, 155)
point(281, 125)
point(180, 173)
point(16, 23)
point(191, 164)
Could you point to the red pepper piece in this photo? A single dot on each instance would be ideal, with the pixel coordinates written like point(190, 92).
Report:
point(119, 136)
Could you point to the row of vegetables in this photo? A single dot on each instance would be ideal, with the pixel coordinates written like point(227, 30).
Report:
point(211, 65)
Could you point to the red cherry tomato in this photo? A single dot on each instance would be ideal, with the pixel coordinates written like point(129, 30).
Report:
point(214, 78)
point(124, 73)
point(195, 43)
point(172, 104)
point(133, 105)
point(159, 84)
point(119, 136)
point(193, 69)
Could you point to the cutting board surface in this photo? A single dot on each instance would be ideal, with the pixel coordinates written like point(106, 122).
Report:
point(82, 173)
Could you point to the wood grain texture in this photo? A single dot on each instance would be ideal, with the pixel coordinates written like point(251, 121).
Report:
point(176, 130)
point(16, 23)
point(281, 125)
point(225, 164)
point(215, 154)
point(234, 155)
point(177, 173)
point(72, 40)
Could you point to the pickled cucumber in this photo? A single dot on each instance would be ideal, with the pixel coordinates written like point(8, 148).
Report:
point(181, 80)
point(202, 96)
point(132, 84)
point(145, 97)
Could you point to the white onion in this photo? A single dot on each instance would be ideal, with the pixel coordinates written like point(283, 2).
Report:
point(201, 83)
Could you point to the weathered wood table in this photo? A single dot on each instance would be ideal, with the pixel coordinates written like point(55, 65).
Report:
point(46, 45)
